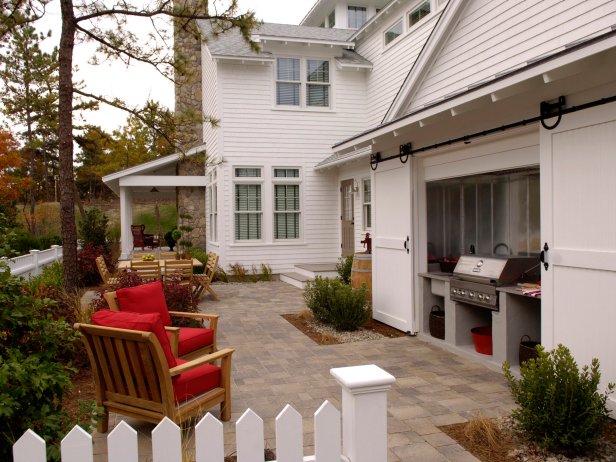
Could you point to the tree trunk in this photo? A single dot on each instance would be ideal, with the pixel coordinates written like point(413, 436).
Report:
point(65, 138)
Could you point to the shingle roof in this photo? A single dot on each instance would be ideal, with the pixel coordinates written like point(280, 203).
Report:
point(231, 42)
point(351, 58)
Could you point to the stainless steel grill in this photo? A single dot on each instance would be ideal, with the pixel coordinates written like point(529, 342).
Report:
point(476, 278)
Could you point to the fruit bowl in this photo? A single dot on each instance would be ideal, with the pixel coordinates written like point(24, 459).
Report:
point(148, 257)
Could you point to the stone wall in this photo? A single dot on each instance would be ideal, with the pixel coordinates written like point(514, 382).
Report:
point(188, 105)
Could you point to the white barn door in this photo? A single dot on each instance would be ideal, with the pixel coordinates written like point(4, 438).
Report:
point(392, 278)
point(578, 223)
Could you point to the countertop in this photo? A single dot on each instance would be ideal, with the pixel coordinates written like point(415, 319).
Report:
point(437, 275)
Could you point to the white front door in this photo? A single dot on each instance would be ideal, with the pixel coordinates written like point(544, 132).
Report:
point(392, 277)
point(578, 224)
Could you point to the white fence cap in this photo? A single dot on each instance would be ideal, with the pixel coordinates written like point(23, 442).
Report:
point(366, 378)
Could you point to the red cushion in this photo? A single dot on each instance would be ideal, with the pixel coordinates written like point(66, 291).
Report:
point(195, 381)
point(193, 338)
point(146, 298)
point(145, 322)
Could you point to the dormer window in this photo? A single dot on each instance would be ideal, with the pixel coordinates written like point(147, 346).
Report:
point(357, 16)
point(419, 12)
point(303, 82)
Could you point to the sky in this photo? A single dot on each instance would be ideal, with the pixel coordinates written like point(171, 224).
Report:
point(139, 83)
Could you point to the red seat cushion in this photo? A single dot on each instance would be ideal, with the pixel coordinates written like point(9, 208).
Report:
point(193, 338)
point(195, 381)
point(145, 322)
point(146, 298)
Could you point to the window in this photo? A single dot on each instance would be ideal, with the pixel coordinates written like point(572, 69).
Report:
point(331, 19)
point(357, 16)
point(212, 208)
point(367, 202)
point(286, 203)
point(296, 77)
point(317, 88)
point(393, 32)
point(248, 209)
point(288, 82)
point(419, 12)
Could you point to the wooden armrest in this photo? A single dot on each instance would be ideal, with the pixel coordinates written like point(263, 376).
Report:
point(175, 339)
point(182, 314)
point(224, 354)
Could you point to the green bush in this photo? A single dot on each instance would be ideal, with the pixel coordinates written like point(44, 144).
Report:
point(344, 267)
point(196, 252)
point(333, 302)
point(93, 228)
point(52, 276)
point(559, 407)
point(33, 379)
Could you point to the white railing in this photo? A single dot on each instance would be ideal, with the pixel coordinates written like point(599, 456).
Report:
point(364, 431)
point(33, 263)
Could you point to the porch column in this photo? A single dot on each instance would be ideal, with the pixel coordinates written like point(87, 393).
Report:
point(126, 219)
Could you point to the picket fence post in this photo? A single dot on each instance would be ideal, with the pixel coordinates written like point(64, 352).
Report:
point(35, 257)
point(364, 411)
point(29, 448)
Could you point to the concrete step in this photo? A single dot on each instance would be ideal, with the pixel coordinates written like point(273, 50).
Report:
point(325, 270)
point(295, 279)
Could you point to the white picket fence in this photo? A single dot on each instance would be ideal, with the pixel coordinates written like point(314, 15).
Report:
point(33, 263)
point(363, 425)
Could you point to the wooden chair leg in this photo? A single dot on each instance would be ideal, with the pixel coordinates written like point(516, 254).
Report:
point(214, 294)
point(103, 424)
point(225, 409)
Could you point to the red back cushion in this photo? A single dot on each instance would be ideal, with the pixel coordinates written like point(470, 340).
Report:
point(146, 298)
point(145, 322)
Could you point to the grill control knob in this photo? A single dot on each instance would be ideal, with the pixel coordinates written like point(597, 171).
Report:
point(454, 291)
point(462, 292)
point(480, 297)
point(471, 294)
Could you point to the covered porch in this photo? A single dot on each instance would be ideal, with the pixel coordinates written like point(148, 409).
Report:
point(155, 180)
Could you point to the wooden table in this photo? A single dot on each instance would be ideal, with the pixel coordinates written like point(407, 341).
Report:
point(125, 264)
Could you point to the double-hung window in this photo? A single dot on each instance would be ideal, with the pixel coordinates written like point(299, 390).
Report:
point(367, 203)
point(357, 16)
point(419, 12)
point(248, 203)
point(303, 82)
point(287, 204)
point(212, 207)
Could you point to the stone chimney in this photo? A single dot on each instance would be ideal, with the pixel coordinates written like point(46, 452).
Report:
point(188, 102)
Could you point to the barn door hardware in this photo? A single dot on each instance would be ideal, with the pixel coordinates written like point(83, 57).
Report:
point(546, 265)
point(406, 150)
point(554, 109)
point(407, 244)
point(375, 158)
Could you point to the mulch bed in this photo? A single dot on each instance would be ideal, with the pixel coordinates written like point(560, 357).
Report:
point(305, 325)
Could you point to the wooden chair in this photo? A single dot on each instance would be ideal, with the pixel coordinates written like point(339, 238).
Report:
point(140, 239)
point(168, 255)
point(202, 281)
point(148, 270)
point(182, 339)
point(181, 268)
point(108, 279)
point(133, 377)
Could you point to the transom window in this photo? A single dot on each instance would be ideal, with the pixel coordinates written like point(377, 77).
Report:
point(394, 32)
point(287, 203)
point(357, 16)
point(312, 84)
point(419, 12)
point(248, 204)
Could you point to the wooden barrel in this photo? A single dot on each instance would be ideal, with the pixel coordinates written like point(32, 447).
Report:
point(361, 272)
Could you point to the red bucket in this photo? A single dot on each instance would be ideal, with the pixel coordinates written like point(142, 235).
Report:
point(482, 338)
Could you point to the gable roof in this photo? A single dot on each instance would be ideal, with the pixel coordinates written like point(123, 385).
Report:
point(232, 44)
point(451, 14)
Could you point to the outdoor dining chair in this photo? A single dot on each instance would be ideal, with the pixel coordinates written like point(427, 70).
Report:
point(106, 276)
point(202, 282)
point(180, 268)
point(186, 342)
point(148, 270)
point(136, 374)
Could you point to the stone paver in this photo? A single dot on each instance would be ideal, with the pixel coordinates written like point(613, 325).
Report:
point(275, 364)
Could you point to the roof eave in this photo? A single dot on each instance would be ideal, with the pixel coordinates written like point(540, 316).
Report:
point(274, 38)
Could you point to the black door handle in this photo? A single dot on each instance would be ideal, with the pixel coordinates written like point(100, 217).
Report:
point(407, 245)
point(546, 265)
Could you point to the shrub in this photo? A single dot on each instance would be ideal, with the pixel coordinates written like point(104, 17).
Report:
point(200, 255)
point(336, 303)
point(179, 298)
point(266, 272)
point(93, 228)
point(559, 407)
point(238, 272)
point(344, 267)
point(33, 379)
point(86, 263)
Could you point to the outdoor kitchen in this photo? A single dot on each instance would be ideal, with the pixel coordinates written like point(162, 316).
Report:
point(481, 294)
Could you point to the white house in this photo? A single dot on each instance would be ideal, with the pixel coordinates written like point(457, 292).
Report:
point(420, 121)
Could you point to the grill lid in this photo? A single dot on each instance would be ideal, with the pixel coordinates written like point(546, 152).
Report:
point(495, 270)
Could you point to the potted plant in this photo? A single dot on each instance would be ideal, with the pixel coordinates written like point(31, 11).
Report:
point(170, 240)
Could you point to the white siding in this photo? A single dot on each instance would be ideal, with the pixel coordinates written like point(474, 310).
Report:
point(210, 102)
point(391, 63)
point(256, 133)
point(494, 37)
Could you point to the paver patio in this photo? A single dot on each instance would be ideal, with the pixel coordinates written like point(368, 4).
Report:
point(275, 364)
